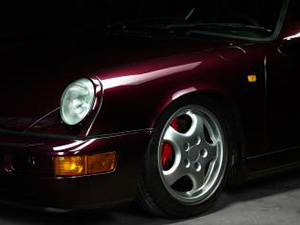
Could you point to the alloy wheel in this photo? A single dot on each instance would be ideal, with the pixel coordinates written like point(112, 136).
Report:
point(191, 155)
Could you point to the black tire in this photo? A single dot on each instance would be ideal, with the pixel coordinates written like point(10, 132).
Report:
point(152, 194)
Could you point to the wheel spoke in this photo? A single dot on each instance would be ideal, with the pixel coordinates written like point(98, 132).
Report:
point(197, 178)
point(197, 127)
point(174, 174)
point(212, 135)
point(175, 138)
point(211, 153)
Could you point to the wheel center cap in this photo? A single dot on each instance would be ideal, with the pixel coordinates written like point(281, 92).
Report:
point(194, 154)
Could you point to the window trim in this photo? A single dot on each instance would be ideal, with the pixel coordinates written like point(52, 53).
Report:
point(274, 36)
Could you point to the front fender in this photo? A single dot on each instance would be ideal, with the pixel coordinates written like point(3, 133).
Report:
point(135, 95)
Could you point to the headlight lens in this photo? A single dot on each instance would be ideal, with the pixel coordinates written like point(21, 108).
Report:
point(77, 101)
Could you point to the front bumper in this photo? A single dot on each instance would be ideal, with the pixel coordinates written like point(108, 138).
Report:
point(44, 190)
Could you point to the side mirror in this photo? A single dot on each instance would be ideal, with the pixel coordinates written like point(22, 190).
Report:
point(290, 45)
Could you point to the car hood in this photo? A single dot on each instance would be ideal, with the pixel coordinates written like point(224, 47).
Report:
point(35, 70)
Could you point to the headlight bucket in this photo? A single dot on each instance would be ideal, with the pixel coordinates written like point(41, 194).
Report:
point(77, 101)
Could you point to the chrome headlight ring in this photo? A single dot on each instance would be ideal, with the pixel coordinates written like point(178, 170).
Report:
point(77, 101)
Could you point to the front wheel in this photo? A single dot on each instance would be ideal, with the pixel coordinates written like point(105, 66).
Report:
point(187, 160)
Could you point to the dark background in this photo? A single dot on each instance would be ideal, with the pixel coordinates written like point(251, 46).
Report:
point(30, 17)
point(19, 18)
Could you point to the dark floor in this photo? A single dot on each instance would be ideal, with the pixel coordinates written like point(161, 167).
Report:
point(268, 201)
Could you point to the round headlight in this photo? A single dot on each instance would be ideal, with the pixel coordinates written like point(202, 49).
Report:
point(77, 101)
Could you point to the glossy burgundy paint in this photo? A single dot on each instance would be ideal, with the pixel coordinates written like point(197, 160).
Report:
point(25, 104)
point(137, 78)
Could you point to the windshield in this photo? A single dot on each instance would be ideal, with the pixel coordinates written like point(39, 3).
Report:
point(256, 18)
point(236, 17)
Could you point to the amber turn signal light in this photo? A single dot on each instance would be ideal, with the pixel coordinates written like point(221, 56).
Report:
point(69, 166)
point(84, 165)
point(100, 163)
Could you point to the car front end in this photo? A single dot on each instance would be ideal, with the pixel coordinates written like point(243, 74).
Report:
point(58, 166)
point(50, 173)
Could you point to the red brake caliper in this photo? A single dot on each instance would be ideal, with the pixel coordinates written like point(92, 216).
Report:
point(175, 124)
point(167, 148)
point(166, 154)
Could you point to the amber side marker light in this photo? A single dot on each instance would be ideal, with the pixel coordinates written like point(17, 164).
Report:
point(85, 165)
point(252, 78)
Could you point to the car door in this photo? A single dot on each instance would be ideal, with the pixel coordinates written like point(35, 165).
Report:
point(283, 93)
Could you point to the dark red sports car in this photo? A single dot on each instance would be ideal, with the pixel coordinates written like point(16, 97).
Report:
point(158, 101)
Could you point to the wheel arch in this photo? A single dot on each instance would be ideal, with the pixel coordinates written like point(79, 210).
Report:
point(232, 116)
